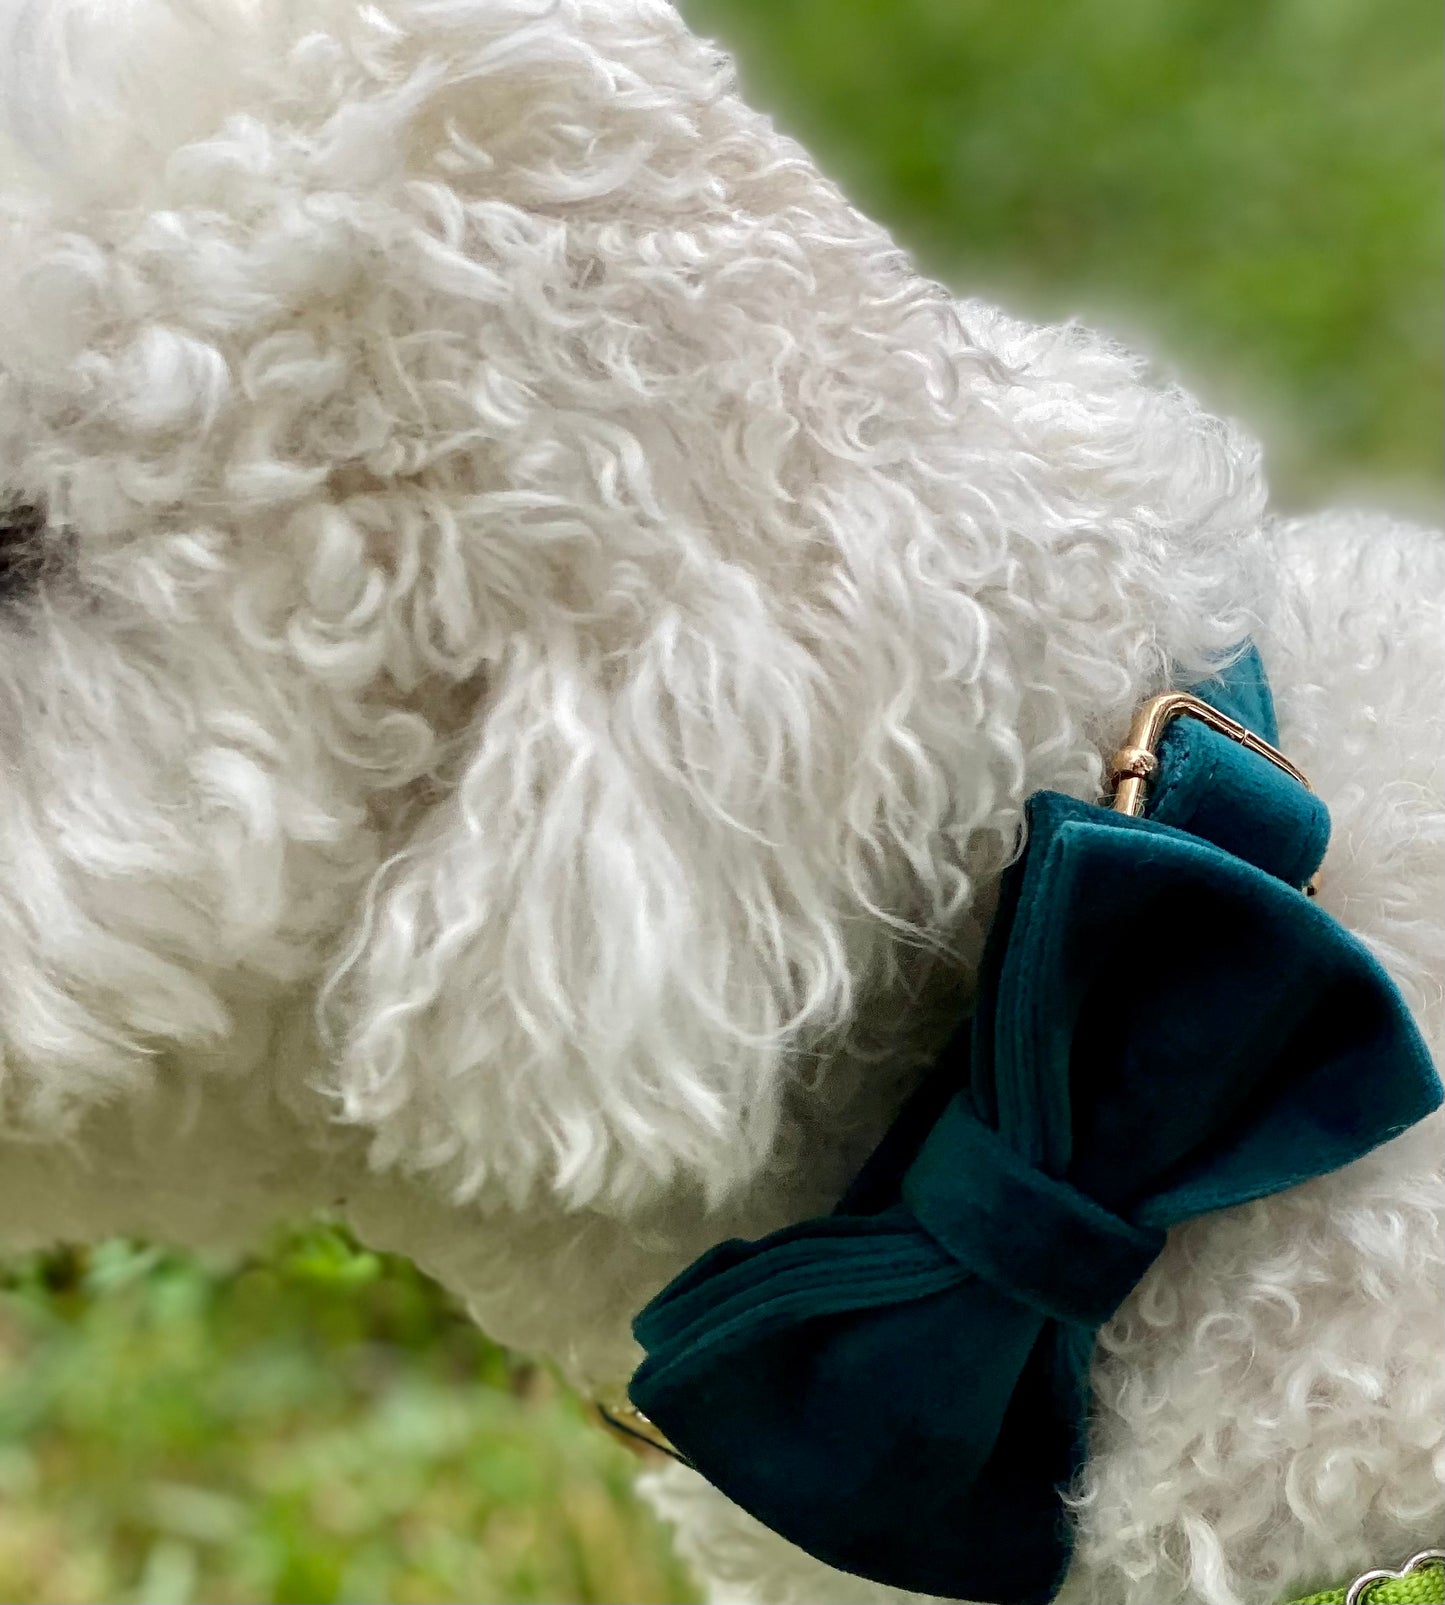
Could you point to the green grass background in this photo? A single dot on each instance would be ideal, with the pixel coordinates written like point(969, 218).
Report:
point(1249, 188)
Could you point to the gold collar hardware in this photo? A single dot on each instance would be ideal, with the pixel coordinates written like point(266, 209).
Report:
point(1137, 761)
point(634, 1431)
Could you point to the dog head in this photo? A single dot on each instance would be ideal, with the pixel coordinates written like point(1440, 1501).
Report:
point(501, 557)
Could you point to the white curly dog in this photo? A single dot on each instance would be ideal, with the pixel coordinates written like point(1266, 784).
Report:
point(527, 630)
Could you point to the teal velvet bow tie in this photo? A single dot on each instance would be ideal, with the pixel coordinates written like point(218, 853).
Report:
point(1165, 1026)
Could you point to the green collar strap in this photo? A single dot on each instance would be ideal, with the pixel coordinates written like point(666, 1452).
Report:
point(1164, 1026)
point(1420, 1581)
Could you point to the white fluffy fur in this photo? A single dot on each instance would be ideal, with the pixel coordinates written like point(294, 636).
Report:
point(545, 627)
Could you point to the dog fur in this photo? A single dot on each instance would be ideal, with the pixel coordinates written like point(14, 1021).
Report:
point(527, 630)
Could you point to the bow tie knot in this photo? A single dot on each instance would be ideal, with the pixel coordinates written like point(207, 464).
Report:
point(1025, 1233)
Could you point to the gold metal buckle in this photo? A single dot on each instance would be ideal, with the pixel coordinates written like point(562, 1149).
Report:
point(1137, 761)
point(631, 1428)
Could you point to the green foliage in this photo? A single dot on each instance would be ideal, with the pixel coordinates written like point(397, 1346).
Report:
point(1251, 186)
point(313, 1427)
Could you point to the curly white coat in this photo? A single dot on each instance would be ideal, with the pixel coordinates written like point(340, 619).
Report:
point(541, 632)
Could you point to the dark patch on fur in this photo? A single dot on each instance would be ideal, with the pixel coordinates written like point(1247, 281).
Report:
point(23, 552)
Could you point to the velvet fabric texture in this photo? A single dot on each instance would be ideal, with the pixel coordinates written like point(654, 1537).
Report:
point(1165, 1025)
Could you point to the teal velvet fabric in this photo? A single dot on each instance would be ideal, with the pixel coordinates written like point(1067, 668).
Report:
point(1165, 1025)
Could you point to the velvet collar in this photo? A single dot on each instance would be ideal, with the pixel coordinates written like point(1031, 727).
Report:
point(1165, 1026)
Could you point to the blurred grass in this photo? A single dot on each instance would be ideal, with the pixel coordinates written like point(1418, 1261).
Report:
point(1251, 188)
point(317, 1427)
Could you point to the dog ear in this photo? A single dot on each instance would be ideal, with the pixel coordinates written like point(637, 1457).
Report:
point(588, 964)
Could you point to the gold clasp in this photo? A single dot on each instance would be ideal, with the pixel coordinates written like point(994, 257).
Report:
point(1137, 761)
point(630, 1427)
